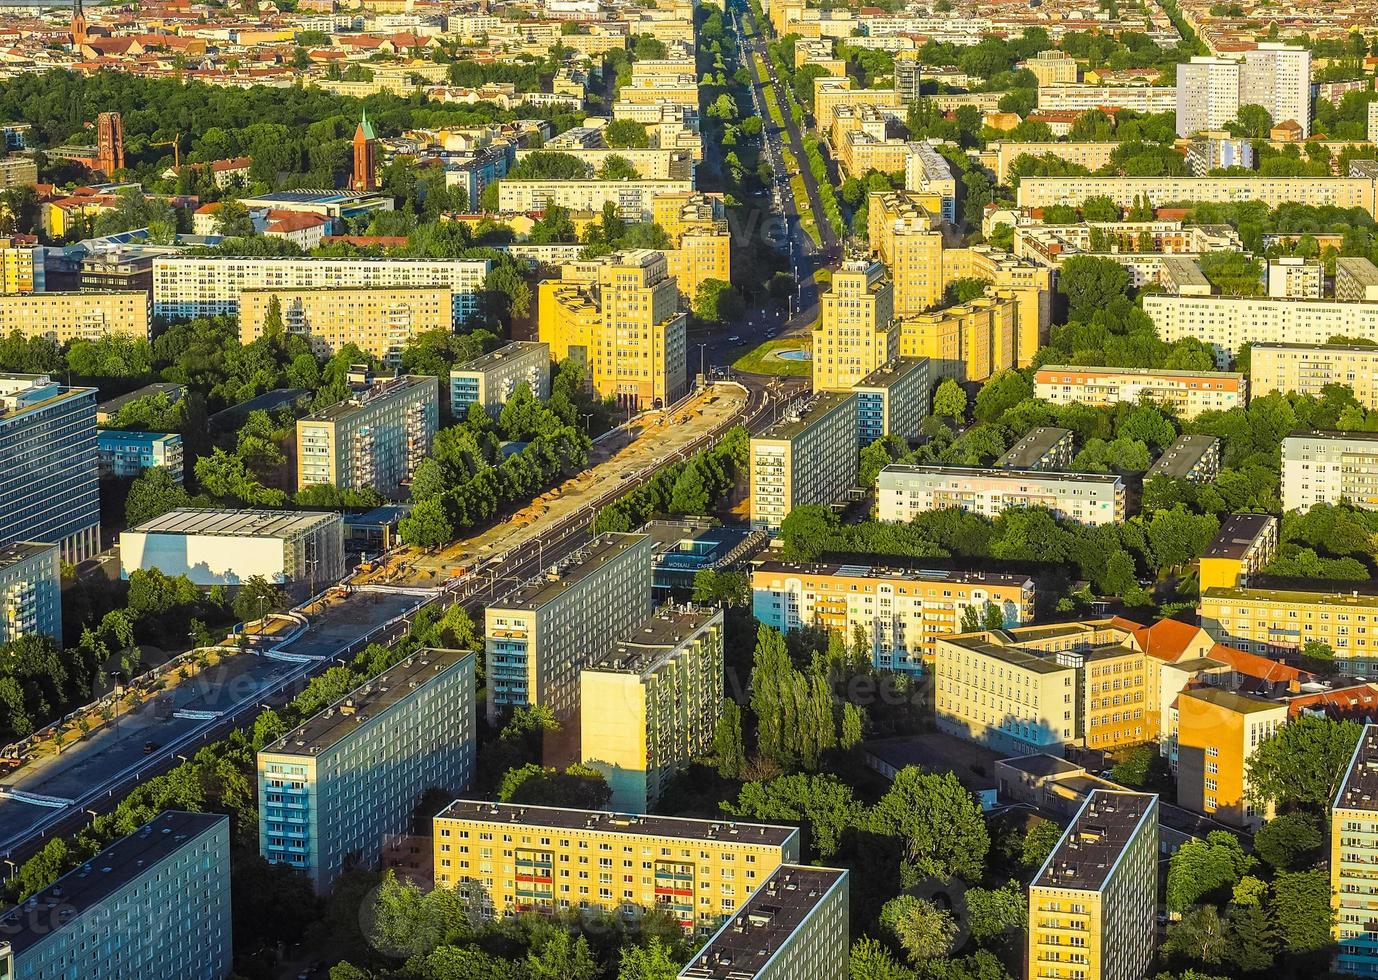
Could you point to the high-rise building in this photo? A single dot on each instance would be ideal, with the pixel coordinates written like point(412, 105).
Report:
point(375, 439)
point(928, 171)
point(908, 238)
point(50, 483)
point(1227, 323)
point(491, 379)
point(1328, 467)
point(1088, 498)
point(365, 174)
point(537, 639)
point(378, 320)
point(696, 224)
point(1210, 91)
point(1092, 906)
point(1245, 544)
point(1353, 855)
point(809, 457)
point(153, 904)
point(857, 331)
point(109, 143)
point(893, 400)
point(619, 317)
point(1207, 94)
point(1217, 733)
point(335, 786)
point(30, 591)
point(23, 266)
point(794, 926)
point(1189, 392)
point(1308, 368)
point(1343, 192)
point(1277, 623)
point(648, 706)
point(548, 859)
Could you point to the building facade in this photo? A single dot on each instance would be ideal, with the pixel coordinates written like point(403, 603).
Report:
point(65, 317)
point(333, 788)
point(1245, 544)
point(30, 592)
point(1278, 622)
point(490, 380)
point(1356, 279)
point(537, 639)
point(1217, 733)
point(1194, 458)
point(1341, 192)
point(50, 485)
point(857, 331)
point(908, 238)
point(1088, 498)
point(810, 457)
point(632, 198)
point(1046, 447)
point(649, 706)
point(1353, 853)
point(1188, 392)
point(1328, 467)
point(1308, 368)
point(893, 400)
point(127, 454)
point(379, 321)
point(1227, 323)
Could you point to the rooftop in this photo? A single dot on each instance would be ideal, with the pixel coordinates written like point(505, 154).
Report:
point(1229, 700)
point(330, 726)
point(21, 551)
point(516, 348)
point(600, 821)
point(1327, 436)
point(1033, 447)
point(113, 405)
point(362, 398)
point(1181, 457)
point(583, 563)
point(889, 373)
point(1359, 791)
point(1238, 534)
point(1146, 372)
point(746, 943)
point(1091, 847)
point(132, 435)
point(794, 424)
point(953, 577)
point(985, 472)
point(20, 393)
point(1337, 348)
point(1353, 598)
point(84, 888)
point(655, 639)
point(235, 523)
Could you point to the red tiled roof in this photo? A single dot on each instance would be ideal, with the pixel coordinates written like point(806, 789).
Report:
point(1359, 701)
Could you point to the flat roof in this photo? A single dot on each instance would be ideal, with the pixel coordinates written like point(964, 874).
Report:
point(988, 645)
point(989, 472)
point(1329, 436)
point(329, 726)
point(791, 426)
point(654, 639)
point(1229, 700)
point(1041, 764)
point(636, 824)
point(1337, 348)
point(516, 348)
point(1359, 267)
point(934, 575)
point(362, 398)
point(17, 389)
point(1359, 791)
point(235, 523)
point(888, 374)
point(1238, 534)
point(136, 435)
point(1147, 372)
point(580, 565)
point(112, 405)
point(1178, 459)
point(1351, 598)
point(746, 943)
point(87, 886)
point(1033, 447)
point(21, 551)
point(1094, 841)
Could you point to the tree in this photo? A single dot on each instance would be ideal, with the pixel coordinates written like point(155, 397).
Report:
point(562, 957)
point(579, 787)
point(1205, 867)
point(1302, 763)
point(152, 494)
point(626, 134)
point(1199, 936)
point(654, 961)
point(1002, 392)
point(949, 400)
point(1251, 936)
point(872, 960)
point(1039, 843)
point(728, 747)
point(1100, 208)
point(616, 167)
point(716, 301)
point(924, 930)
point(823, 802)
point(1090, 284)
point(1301, 910)
point(1142, 767)
point(232, 220)
point(995, 913)
point(1289, 842)
point(1253, 121)
point(940, 822)
point(257, 597)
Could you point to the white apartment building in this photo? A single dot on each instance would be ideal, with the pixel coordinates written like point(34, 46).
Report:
point(1207, 94)
point(1082, 96)
point(187, 286)
point(1327, 467)
point(30, 592)
point(1308, 368)
point(1275, 76)
point(1295, 278)
point(334, 787)
point(1340, 192)
point(810, 457)
point(632, 197)
point(1227, 323)
point(1189, 392)
point(1088, 498)
point(490, 380)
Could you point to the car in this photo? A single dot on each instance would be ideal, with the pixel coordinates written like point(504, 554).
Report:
point(150, 748)
point(770, 334)
point(734, 339)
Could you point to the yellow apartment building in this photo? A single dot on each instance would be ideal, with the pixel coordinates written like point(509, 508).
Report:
point(648, 707)
point(1028, 285)
point(696, 224)
point(809, 457)
point(1245, 544)
point(1308, 368)
point(857, 331)
point(1276, 622)
point(968, 342)
point(64, 317)
point(1353, 860)
point(1189, 392)
point(548, 859)
point(378, 321)
point(1217, 733)
point(1092, 905)
point(905, 233)
point(21, 267)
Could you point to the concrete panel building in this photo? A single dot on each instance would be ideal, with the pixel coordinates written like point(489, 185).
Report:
point(127, 454)
point(1280, 622)
point(1194, 458)
point(538, 638)
point(1341, 192)
point(795, 925)
point(490, 380)
point(225, 547)
point(1356, 279)
point(809, 457)
point(648, 707)
point(1089, 498)
point(1189, 393)
point(1100, 885)
point(1217, 733)
point(1353, 853)
point(901, 613)
point(375, 439)
point(50, 483)
point(1308, 368)
point(1245, 544)
point(1328, 467)
point(540, 859)
point(64, 317)
point(632, 198)
point(1045, 448)
point(1295, 278)
point(379, 321)
point(153, 904)
point(893, 400)
point(335, 786)
point(1227, 323)
point(30, 591)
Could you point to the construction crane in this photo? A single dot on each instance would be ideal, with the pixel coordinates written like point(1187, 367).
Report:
point(176, 151)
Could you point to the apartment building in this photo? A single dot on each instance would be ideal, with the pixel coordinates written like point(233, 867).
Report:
point(18, 171)
point(907, 236)
point(1040, 688)
point(902, 613)
point(1277, 622)
point(1245, 544)
point(1211, 90)
point(1353, 854)
point(795, 925)
point(1081, 96)
point(335, 786)
point(927, 171)
point(1217, 733)
point(1327, 467)
point(153, 904)
point(374, 439)
point(1356, 279)
point(1217, 150)
point(225, 547)
point(1194, 458)
point(1052, 68)
point(1046, 447)
point(30, 591)
point(632, 198)
point(23, 266)
point(1088, 498)
point(1227, 323)
point(1092, 906)
point(538, 638)
point(1295, 278)
point(1188, 393)
point(696, 224)
point(648, 707)
point(126, 454)
point(969, 342)
point(1340, 192)
point(548, 859)
point(379, 321)
point(50, 485)
point(1307, 368)
point(893, 400)
point(491, 379)
point(65, 317)
point(809, 457)
point(1027, 285)
point(619, 318)
point(210, 285)
point(857, 331)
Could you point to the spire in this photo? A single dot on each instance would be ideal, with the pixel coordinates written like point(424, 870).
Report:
point(364, 126)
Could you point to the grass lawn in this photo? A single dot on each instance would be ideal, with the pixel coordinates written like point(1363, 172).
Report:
point(801, 201)
point(760, 361)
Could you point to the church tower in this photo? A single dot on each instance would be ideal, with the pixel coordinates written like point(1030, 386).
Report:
point(78, 24)
point(365, 177)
